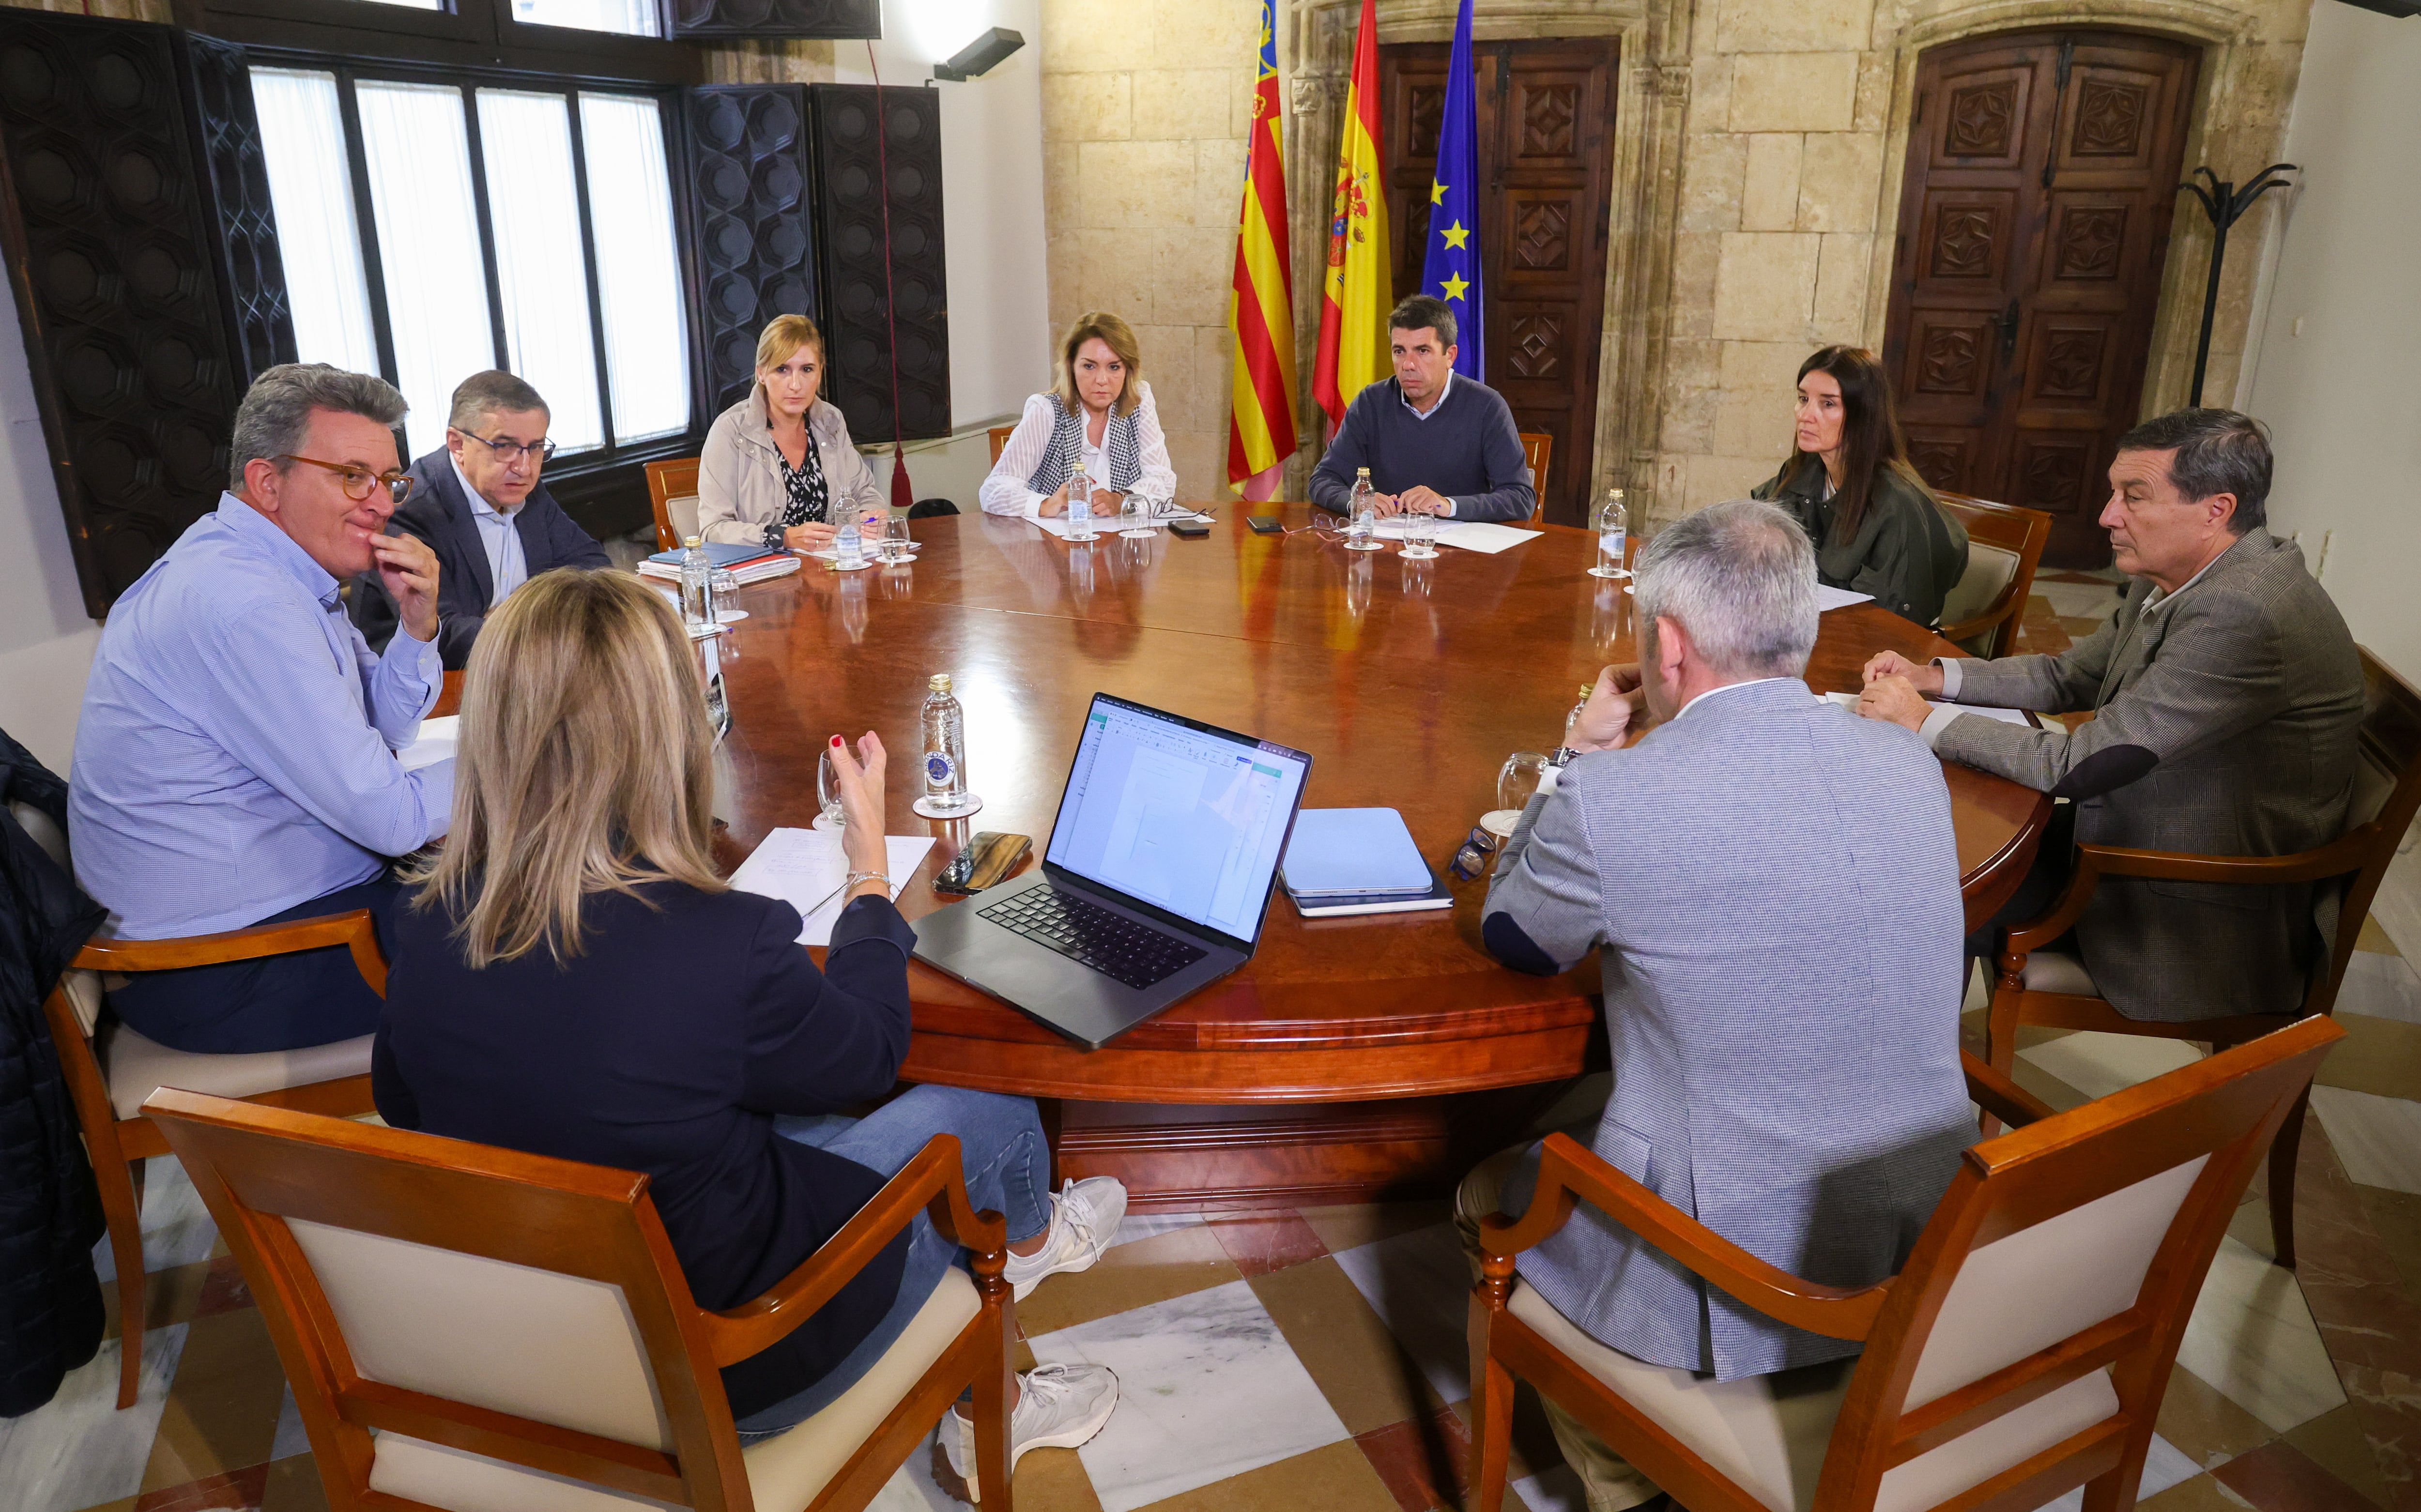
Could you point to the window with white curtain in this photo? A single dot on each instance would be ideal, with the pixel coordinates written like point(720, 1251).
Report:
point(638, 270)
point(534, 200)
point(631, 18)
point(311, 190)
point(509, 230)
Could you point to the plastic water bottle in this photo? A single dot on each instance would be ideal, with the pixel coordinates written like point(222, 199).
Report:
point(1613, 522)
point(849, 545)
point(1362, 530)
point(696, 583)
point(1080, 502)
point(946, 748)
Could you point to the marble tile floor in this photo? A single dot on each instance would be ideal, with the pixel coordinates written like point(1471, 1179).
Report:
point(1314, 1359)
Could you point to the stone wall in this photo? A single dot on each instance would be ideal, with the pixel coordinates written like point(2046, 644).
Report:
point(1784, 228)
point(1145, 108)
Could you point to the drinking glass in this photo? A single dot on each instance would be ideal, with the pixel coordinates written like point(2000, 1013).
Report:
point(1518, 781)
point(894, 538)
point(828, 792)
point(1420, 534)
point(1135, 516)
point(725, 587)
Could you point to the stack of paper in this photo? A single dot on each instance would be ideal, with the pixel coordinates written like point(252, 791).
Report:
point(1838, 598)
point(1469, 534)
point(804, 869)
point(434, 743)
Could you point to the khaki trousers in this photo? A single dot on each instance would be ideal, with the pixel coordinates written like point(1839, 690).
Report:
point(1609, 1481)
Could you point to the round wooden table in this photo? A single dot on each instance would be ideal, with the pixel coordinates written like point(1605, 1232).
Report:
point(1350, 1058)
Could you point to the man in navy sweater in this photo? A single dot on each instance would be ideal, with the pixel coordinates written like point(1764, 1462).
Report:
point(1435, 441)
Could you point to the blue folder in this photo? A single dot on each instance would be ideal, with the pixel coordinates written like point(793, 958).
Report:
point(1353, 850)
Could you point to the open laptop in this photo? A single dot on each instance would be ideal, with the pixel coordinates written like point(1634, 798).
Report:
point(1156, 881)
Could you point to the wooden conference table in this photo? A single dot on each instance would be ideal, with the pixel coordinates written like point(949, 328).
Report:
point(1353, 1057)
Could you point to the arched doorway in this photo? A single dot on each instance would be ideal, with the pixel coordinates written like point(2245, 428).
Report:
point(2035, 212)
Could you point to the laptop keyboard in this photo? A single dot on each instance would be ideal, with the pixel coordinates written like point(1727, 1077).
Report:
point(1118, 948)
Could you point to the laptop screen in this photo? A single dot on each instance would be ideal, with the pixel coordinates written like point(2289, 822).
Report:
point(1180, 815)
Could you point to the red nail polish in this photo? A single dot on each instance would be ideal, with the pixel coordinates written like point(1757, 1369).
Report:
point(835, 740)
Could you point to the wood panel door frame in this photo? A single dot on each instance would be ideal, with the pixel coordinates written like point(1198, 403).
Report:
point(1547, 128)
point(2002, 198)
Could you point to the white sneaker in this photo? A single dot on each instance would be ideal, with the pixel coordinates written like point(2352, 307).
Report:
point(1085, 1217)
point(1058, 1407)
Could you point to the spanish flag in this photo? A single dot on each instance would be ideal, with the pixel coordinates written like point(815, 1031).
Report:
point(1261, 309)
point(1354, 299)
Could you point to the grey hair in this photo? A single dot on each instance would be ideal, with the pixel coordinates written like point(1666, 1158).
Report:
point(2218, 451)
point(276, 410)
point(482, 395)
point(1740, 578)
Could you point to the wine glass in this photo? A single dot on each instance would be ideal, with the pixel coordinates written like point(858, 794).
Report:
point(828, 793)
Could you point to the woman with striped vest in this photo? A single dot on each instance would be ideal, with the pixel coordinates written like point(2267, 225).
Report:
point(1100, 408)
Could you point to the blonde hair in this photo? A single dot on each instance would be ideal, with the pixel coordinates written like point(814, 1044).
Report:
point(585, 767)
point(782, 335)
point(1112, 333)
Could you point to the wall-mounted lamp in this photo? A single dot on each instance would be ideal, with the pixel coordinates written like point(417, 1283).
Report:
point(980, 57)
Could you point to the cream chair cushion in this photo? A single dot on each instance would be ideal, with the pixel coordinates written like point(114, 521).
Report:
point(136, 1066)
point(1989, 571)
point(785, 1473)
point(682, 512)
point(1768, 1433)
point(2053, 971)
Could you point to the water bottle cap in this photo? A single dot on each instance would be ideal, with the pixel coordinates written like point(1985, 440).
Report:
point(939, 682)
point(691, 543)
point(1361, 471)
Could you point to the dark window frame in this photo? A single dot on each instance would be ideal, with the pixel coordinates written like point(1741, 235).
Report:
point(607, 478)
point(468, 33)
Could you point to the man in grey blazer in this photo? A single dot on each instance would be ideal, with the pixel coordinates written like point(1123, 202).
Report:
point(478, 502)
point(1772, 885)
point(2226, 695)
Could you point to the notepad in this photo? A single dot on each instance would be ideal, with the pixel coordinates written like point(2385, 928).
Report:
point(804, 867)
point(1351, 853)
point(2006, 716)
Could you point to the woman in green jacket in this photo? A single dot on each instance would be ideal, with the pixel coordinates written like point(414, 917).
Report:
point(1878, 529)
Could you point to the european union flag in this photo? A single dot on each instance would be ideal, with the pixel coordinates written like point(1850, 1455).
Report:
point(1450, 265)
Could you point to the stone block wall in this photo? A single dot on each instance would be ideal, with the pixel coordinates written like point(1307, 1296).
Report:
point(1145, 108)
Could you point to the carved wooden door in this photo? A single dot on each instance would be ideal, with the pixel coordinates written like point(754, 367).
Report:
point(2042, 172)
point(1546, 134)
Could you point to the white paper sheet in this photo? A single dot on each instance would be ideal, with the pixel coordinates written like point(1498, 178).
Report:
point(1471, 534)
point(2006, 716)
point(434, 743)
point(802, 867)
point(1838, 598)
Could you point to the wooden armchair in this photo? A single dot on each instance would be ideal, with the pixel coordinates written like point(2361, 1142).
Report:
point(2053, 990)
point(672, 489)
point(2022, 1352)
point(109, 1069)
point(2005, 544)
point(1000, 435)
point(468, 1328)
point(1537, 446)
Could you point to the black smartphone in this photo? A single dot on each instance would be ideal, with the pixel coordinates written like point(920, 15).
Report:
point(1263, 525)
point(986, 861)
point(1190, 529)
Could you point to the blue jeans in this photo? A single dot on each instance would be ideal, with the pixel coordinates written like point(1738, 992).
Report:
point(1007, 1168)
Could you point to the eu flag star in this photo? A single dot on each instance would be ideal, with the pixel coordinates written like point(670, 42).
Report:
point(1456, 235)
point(1437, 193)
point(1454, 286)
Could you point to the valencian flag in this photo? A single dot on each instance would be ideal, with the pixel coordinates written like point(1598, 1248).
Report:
point(1260, 310)
point(1450, 264)
point(1355, 298)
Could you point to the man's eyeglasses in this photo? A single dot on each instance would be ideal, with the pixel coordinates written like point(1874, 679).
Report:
point(358, 481)
point(1472, 859)
point(513, 451)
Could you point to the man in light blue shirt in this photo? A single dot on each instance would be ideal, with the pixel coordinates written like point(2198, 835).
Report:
point(235, 762)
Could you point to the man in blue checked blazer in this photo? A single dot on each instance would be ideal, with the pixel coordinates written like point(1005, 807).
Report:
point(1773, 886)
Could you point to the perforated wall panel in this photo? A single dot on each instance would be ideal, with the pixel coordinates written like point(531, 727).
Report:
point(848, 216)
point(748, 168)
point(778, 18)
point(112, 260)
point(235, 179)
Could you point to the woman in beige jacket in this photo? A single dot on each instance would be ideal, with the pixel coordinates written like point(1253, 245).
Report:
point(778, 469)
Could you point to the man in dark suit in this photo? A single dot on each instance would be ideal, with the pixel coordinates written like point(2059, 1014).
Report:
point(479, 504)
